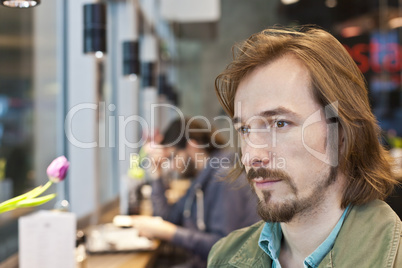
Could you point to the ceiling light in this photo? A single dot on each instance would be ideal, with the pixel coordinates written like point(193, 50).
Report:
point(133, 77)
point(289, 2)
point(331, 3)
point(95, 28)
point(148, 74)
point(131, 58)
point(98, 54)
point(20, 3)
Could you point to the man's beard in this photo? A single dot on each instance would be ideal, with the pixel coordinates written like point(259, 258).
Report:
point(285, 212)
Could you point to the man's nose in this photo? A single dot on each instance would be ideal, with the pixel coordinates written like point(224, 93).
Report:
point(256, 149)
point(256, 159)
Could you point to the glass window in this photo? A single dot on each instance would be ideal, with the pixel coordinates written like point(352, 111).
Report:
point(29, 106)
point(16, 99)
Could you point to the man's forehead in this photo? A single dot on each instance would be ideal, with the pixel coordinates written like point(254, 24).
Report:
point(281, 87)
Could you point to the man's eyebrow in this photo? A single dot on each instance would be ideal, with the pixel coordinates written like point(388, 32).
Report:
point(268, 113)
point(278, 111)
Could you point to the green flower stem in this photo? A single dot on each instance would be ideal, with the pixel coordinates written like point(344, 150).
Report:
point(39, 191)
point(28, 203)
point(36, 201)
point(17, 198)
point(28, 199)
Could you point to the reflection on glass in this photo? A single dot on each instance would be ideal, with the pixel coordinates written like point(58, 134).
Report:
point(16, 135)
point(28, 110)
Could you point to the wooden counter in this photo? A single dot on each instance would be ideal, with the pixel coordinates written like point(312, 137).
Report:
point(122, 260)
point(136, 259)
point(143, 259)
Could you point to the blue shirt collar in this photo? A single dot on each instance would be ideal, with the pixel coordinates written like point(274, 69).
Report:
point(271, 237)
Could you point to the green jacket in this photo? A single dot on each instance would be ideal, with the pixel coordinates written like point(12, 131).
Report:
point(370, 237)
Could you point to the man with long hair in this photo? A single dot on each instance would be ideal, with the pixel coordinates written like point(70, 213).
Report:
point(310, 147)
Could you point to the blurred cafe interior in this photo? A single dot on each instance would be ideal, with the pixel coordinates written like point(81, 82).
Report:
point(91, 80)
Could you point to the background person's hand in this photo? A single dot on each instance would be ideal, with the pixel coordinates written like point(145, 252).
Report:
point(154, 227)
point(155, 159)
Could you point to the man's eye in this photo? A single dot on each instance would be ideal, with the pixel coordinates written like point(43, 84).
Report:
point(280, 123)
point(243, 130)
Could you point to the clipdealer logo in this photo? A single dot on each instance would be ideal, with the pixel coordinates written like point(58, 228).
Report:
point(105, 136)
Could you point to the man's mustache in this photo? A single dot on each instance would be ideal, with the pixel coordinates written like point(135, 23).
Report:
point(267, 174)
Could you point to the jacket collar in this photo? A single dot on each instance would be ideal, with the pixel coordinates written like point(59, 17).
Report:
point(250, 254)
point(369, 237)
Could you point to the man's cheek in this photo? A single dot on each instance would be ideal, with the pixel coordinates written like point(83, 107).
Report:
point(314, 138)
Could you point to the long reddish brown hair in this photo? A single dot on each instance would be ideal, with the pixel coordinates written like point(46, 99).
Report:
point(334, 78)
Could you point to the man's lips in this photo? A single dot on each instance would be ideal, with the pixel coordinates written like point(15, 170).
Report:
point(265, 182)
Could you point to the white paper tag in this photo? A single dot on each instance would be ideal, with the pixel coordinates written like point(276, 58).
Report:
point(47, 240)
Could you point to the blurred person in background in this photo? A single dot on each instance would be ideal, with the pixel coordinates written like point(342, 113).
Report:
point(211, 208)
point(296, 94)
